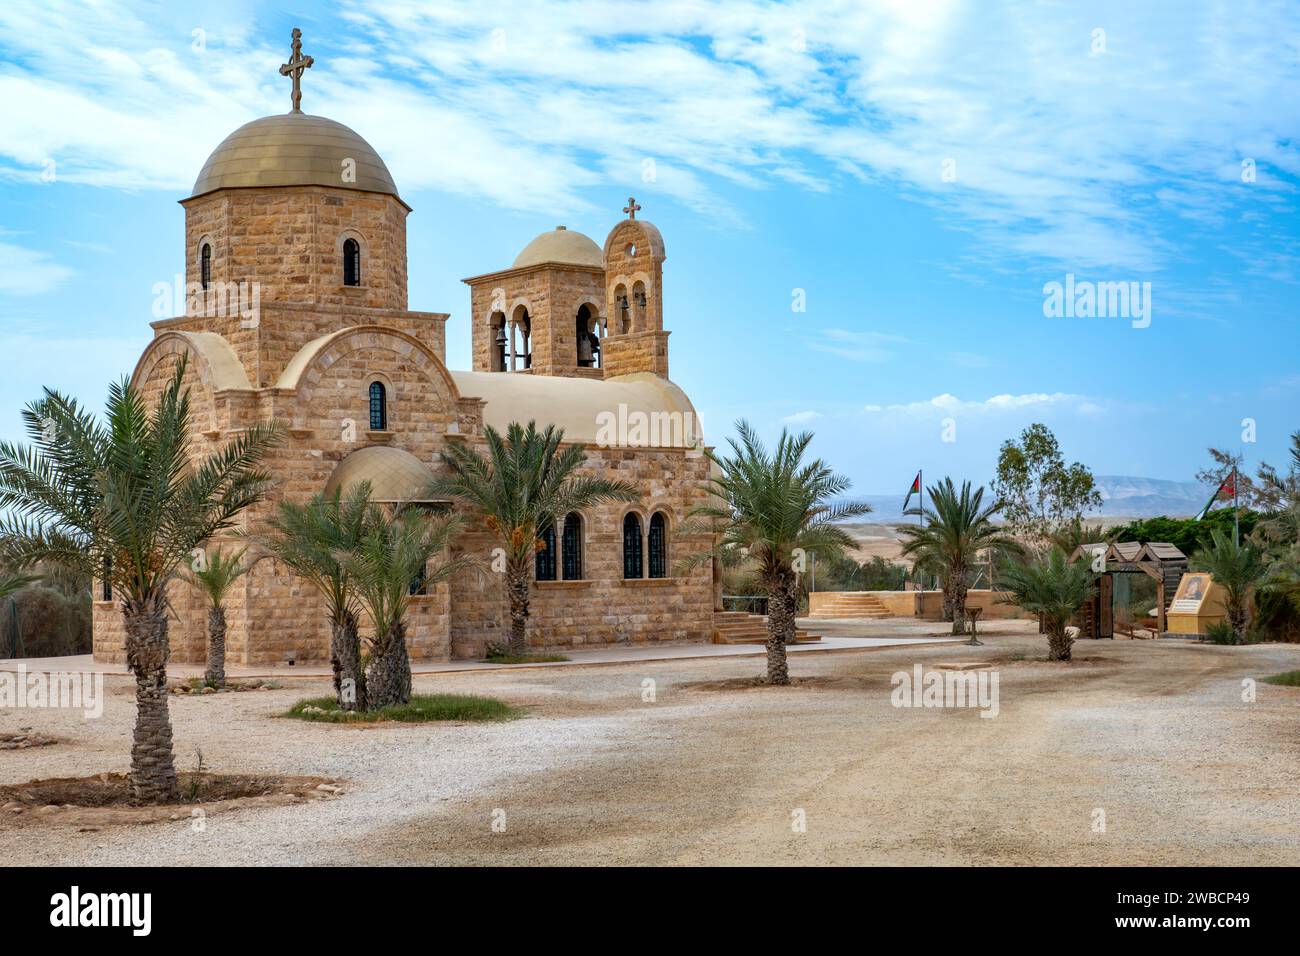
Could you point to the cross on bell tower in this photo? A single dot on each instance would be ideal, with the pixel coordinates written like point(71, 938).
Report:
point(631, 207)
point(297, 63)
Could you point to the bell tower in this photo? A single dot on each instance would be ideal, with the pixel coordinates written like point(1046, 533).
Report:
point(634, 260)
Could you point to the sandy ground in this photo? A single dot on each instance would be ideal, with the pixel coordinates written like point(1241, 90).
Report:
point(1155, 735)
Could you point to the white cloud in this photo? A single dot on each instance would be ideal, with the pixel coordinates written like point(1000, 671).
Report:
point(947, 404)
point(800, 418)
point(859, 346)
point(1058, 154)
point(28, 272)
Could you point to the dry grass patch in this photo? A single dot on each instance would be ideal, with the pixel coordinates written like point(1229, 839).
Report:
point(107, 799)
point(754, 683)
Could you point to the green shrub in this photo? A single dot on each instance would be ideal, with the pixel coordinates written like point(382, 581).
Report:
point(51, 622)
point(421, 708)
point(1285, 679)
point(1220, 632)
point(1276, 615)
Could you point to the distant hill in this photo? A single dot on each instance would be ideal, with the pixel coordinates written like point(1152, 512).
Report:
point(1123, 496)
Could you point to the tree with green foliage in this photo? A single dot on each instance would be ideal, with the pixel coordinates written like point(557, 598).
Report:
point(524, 484)
point(958, 526)
point(128, 499)
point(1186, 534)
point(779, 509)
point(313, 539)
point(1053, 587)
point(388, 565)
point(1238, 569)
point(1038, 490)
point(214, 574)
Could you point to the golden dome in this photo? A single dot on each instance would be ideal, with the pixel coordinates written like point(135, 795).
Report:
point(394, 474)
point(294, 149)
point(562, 246)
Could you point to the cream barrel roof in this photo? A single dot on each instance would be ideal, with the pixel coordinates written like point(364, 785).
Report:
point(394, 474)
point(561, 245)
point(293, 149)
point(577, 404)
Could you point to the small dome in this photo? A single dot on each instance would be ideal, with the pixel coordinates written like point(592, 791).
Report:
point(394, 474)
point(293, 149)
point(563, 246)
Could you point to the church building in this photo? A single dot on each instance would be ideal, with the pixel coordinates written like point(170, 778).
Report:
point(296, 279)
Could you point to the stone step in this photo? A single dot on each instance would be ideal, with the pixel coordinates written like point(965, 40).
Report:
point(737, 627)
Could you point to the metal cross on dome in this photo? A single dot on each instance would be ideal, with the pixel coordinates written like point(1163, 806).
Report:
point(297, 63)
point(631, 207)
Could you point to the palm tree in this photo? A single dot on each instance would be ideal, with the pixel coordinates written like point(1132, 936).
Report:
point(958, 526)
point(1052, 587)
point(127, 500)
point(312, 539)
point(525, 483)
point(10, 584)
point(214, 575)
point(1235, 568)
point(388, 565)
point(776, 508)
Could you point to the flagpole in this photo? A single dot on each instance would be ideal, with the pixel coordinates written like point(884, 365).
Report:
point(1236, 514)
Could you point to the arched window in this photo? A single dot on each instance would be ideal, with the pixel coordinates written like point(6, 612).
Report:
point(587, 333)
point(205, 264)
point(499, 342)
point(420, 583)
point(658, 544)
point(378, 407)
point(545, 560)
point(638, 307)
point(632, 565)
point(351, 262)
point(521, 341)
point(623, 323)
point(571, 550)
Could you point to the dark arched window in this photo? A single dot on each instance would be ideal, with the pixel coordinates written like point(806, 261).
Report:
point(545, 561)
point(632, 566)
point(420, 583)
point(499, 341)
point(658, 543)
point(571, 550)
point(378, 407)
point(205, 265)
point(588, 339)
point(106, 583)
point(351, 262)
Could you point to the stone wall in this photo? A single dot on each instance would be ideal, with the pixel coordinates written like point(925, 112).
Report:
point(928, 605)
point(291, 243)
point(552, 295)
point(603, 608)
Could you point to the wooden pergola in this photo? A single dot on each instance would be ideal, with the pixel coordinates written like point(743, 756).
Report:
point(1156, 559)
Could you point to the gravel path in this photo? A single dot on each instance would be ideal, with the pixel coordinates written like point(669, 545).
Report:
point(1155, 735)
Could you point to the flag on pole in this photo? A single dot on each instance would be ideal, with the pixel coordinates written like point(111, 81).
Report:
point(914, 490)
point(1227, 492)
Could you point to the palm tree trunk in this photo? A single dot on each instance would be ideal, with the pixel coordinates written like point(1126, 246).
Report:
point(959, 604)
point(153, 770)
point(389, 680)
point(215, 675)
point(792, 603)
point(779, 621)
point(517, 588)
point(1237, 616)
point(1058, 641)
point(345, 656)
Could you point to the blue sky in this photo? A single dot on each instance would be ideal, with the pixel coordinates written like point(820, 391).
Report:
point(920, 170)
